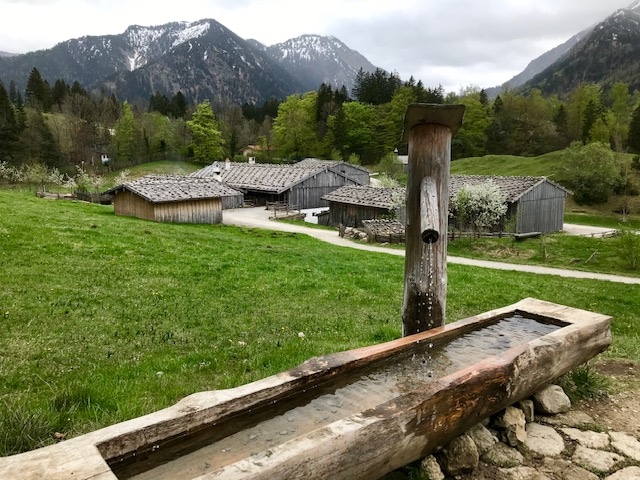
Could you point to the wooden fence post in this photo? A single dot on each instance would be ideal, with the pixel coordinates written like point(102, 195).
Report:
point(428, 129)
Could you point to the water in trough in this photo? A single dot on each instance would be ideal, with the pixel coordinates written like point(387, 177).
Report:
point(324, 405)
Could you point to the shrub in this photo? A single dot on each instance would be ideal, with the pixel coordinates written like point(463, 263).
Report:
point(629, 247)
point(479, 206)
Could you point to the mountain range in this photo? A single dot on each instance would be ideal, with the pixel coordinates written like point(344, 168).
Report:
point(202, 59)
point(206, 60)
point(605, 53)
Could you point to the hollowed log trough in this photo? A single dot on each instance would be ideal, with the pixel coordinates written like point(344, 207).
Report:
point(207, 435)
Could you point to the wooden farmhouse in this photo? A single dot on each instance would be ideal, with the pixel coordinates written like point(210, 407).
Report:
point(299, 186)
point(175, 199)
point(352, 204)
point(535, 204)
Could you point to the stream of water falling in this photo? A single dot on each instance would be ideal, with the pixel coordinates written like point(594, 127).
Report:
point(330, 404)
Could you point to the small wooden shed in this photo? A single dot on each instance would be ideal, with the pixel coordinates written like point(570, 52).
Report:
point(299, 186)
point(174, 199)
point(350, 205)
point(535, 204)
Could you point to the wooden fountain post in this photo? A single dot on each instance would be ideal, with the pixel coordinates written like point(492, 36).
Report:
point(428, 129)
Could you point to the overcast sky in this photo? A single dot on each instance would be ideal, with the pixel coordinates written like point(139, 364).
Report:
point(453, 43)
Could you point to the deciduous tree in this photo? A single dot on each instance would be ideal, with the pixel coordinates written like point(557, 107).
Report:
point(206, 138)
point(592, 172)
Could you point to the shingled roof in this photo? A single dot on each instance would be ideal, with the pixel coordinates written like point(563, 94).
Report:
point(176, 188)
point(309, 162)
point(512, 187)
point(264, 177)
point(367, 196)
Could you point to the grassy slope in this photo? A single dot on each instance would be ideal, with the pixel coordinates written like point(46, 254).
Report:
point(105, 318)
point(166, 167)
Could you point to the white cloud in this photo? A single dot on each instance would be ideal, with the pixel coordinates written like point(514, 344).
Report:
point(450, 42)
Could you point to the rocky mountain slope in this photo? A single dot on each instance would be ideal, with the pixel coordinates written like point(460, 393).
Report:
point(203, 59)
point(609, 53)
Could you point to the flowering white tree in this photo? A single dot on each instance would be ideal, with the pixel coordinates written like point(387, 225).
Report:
point(479, 206)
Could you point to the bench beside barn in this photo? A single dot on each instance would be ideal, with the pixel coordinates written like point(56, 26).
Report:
point(174, 199)
point(299, 186)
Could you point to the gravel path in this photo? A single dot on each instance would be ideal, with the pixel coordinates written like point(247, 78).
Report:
point(259, 217)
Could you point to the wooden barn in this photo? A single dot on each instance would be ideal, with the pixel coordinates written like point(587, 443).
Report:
point(361, 174)
point(535, 204)
point(173, 199)
point(300, 187)
point(350, 205)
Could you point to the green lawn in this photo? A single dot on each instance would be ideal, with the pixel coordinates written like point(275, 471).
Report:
point(105, 318)
point(602, 255)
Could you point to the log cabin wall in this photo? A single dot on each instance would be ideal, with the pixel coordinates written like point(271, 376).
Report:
point(309, 192)
point(230, 202)
point(351, 215)
point(128, 204)
point(194, 211)
point(541, 209)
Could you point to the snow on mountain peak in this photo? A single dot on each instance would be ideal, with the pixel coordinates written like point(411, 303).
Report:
point(145, 42)
point(635, 5)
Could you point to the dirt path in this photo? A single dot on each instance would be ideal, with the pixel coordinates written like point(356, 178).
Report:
point(259, 217)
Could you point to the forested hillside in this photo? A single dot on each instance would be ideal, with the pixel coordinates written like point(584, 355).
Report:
point(67, 127)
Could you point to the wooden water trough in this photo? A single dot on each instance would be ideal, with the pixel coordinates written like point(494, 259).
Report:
point(357, 414)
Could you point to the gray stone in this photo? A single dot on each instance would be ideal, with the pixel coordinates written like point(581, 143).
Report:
point(559, 468)
point(596, 460)
point(522, 473)
point(528, 409)
point(587, 438)
point(482, 437)
point(629, 473)
point(544, 441)
point(551, 400)
point(431, 469)
point(513, 423)
point(502, 455)
point(626, 445)
point(574, 418)
point(459, 456)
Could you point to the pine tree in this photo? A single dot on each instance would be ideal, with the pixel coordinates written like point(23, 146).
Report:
point(59, 93)
point(38, 93)
point(9, 129)
point(633, 140)
point(178, 106)
point(561, 121)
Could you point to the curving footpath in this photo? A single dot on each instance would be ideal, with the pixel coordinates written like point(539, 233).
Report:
point(259, 217)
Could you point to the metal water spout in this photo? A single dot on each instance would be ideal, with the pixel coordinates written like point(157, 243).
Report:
point(428, 129)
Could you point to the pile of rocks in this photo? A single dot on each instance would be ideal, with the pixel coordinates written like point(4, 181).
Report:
point(537, 439)
point(353, 233)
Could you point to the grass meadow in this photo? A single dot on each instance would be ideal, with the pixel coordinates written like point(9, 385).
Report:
point(105, 318)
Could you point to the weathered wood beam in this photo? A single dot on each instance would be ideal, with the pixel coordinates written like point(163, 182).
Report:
point(428, 129)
